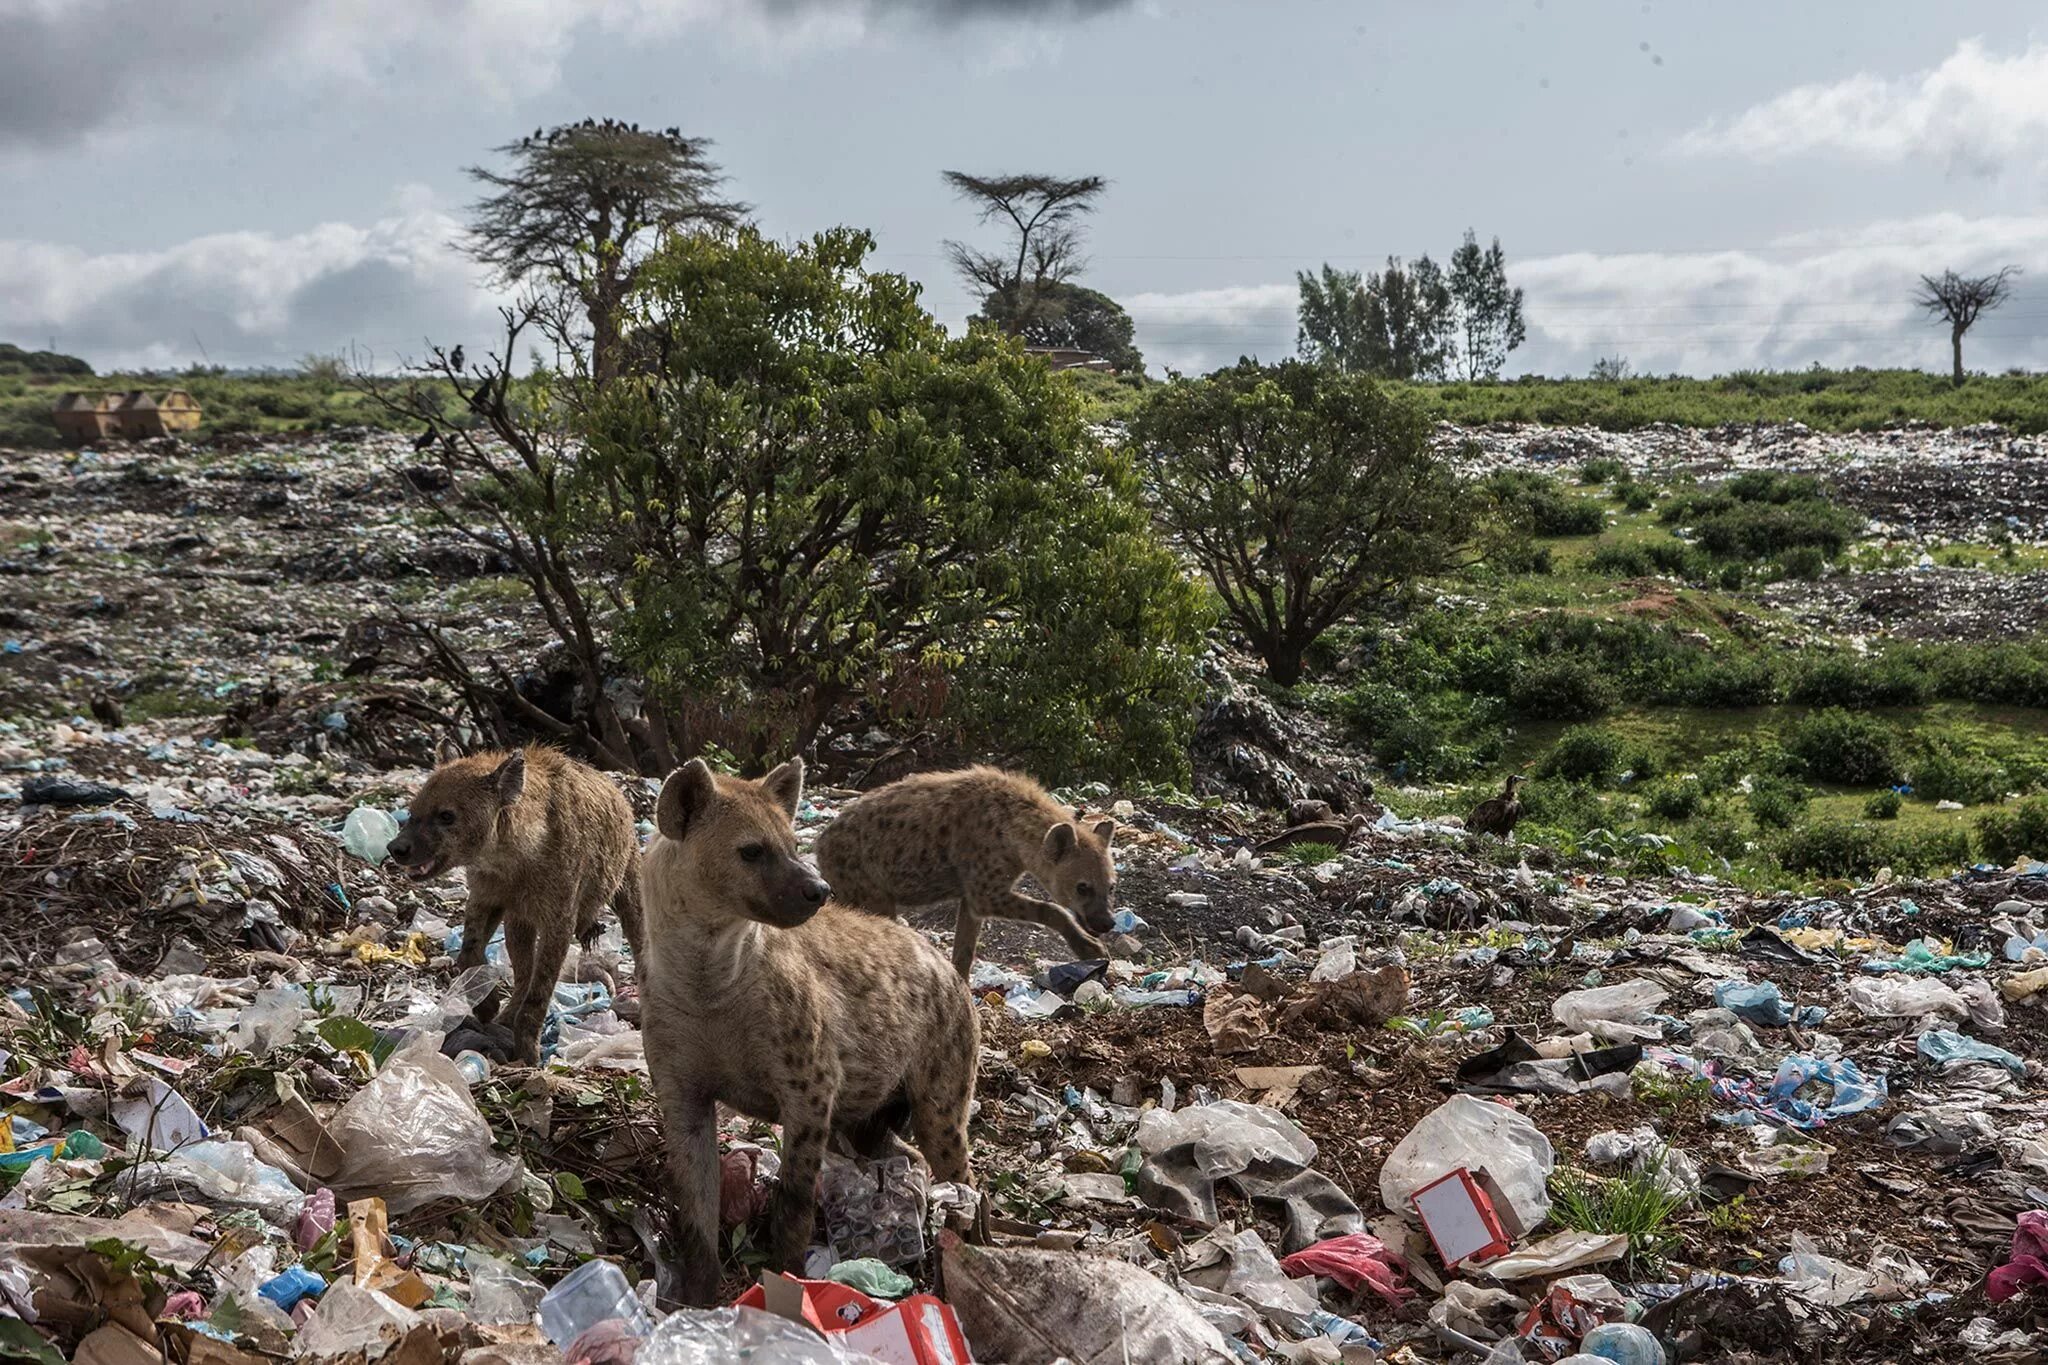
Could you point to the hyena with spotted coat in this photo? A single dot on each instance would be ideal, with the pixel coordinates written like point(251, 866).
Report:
point(760, 994)
point(970, 835)
point(547, 843)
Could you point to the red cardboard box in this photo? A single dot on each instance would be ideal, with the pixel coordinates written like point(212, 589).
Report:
point(1460, 1219)
point(921, 1330)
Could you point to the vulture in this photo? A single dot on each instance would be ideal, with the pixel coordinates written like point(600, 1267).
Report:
point(1499, 814)
point(106, 710)
point(272, 694)
point(455, 357)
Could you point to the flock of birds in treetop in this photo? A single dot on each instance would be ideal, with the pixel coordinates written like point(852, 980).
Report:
point(591, 125)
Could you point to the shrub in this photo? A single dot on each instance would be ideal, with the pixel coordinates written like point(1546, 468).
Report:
point(1570, 808)
point(1860, 684)
point(1775, 802)
point(1884, 806)
point(1304, 493)
point(1838, 848)
point(1676, 799)
point(1838, 746)
point(1763, 515)
point(2014, 831)
point(1601, 469)
point(1720, 681)
point(1584, 753)
point(1546, 509)
point(1561, 687)
point(1805, 562)
point(1636, 497)
point(1944, 773)
point(1520, 555)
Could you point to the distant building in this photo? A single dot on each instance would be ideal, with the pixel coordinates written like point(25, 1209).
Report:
point(131, 416)
point(1070, 358)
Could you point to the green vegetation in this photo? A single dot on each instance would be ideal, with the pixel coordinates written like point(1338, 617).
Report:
point(1306, 855)
point(1828, 400)
point(1635, 1205)
point(316, 398)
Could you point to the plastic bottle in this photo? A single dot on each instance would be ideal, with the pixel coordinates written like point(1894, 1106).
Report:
point(474, 1066)
point(1623, 1343)
point(593, 1292)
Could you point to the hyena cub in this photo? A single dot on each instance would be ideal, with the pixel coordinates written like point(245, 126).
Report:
point(760, 995)
point(970, 835)
point(548, 843)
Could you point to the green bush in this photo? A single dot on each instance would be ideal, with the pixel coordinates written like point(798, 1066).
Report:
point(1670, 558)
point(1945, 773)
point(1860, 684)
point(1676, 798)
point(1763, 515)
point(1561, 687)
point(2016, 830)
point(1839, 746)
point(1775, 802)
point(1601, 469)
point(1546, 509)
point(1719, 681)
point(1636, 497)
point(1806, 562)
point(1883, 806)
point(1519, 555)
point(1837, 848)
point(1584, 753)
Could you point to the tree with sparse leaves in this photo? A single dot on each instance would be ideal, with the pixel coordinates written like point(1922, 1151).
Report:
point(1043, 214)
point(1395, 324)
point(1489, 313)
point(1959, 300)
point(579, 206)
point(1305, 495)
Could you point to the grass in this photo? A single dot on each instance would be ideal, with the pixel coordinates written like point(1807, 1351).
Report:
point(1305, 855)
point(1634, 1205)
point(1828, 400)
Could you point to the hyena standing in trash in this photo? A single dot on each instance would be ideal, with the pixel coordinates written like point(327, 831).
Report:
point(970, 835)
point(759, 994)
point(547, 843)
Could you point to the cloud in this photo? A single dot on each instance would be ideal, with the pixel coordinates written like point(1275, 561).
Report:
point(253, 298)
point(1835, 298)
point(1976, 113)
point(73, 69)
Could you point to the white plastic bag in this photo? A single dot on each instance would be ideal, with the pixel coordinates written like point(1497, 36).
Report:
point(1228, 1136)
point(1903, 996)
point(351, 1318)
point(1023, 1304)
point(1476, 1134)
point(1615, 1014)
point(222, 1174)
point(413, 1135)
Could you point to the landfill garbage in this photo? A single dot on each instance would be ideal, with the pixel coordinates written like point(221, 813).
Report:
point(1458, 1213)
point(593, 1293)
point(1614, 1014)
point(871, 1277)
point(1033, 1307)
point(1357, 1261)
point(1642, 1150)
point(1623, 1343)
point(413, 1135)
point(1558, 1253)
point(2027, 1263)
point(1821, 1279)
point(1949, 1050)
point(69, 791)
point(368, 833)
point(1906, 997)
point(1920, 956)
point(1475, 1134)
point(1760, 1003)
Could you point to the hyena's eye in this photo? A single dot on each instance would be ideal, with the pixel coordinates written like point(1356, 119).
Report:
point(753, 853)
point(1085, 888)
point(446, 817)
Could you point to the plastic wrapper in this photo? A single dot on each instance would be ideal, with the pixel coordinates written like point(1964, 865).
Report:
point(351, 1319)
point(413, 1135)
point(1821, 1279)
point(368, 833)
point(873, 1209)
point(1613, 1014)
point(221, 1174)
point(723, 1336)
point(1356, 1261)
point(1905, 997)
point(1949, 1050)
point(1228, 1136)
point(1030, 1307)
point(500, 1292)
point(1476, 1134)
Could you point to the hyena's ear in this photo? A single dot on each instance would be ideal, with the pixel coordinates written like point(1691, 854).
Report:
point(687, 792)
point(509, 777)
point(1059, 841)
point(785, 786)
point(1104, 829)
point(447, 751)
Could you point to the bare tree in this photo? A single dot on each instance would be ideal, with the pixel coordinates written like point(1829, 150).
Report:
point(1043, 211)
point(1960, 300)
point(579, 205)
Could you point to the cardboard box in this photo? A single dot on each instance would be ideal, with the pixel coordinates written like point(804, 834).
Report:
point(921, 1330)
point(1459, 1216)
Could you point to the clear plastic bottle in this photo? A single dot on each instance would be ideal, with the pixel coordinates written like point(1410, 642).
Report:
point(593, 1292)
point(474, 1066)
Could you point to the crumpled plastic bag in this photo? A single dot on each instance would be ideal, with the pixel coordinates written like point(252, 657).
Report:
point(1675, 1173)
point(223, 1173)
point(1031, 1307)
point(1228, 1136)
point(1760, 1003)
point(1244, 1268)
point(350, 1319)
point(1906, 997)
point(413, 1135)
point(2028, 1263)
point(1358, 1260)
point(1473, 1133)
point(1823, 1280)
point(1923, 956)
point(1615, 1014)
point(1949, 1050)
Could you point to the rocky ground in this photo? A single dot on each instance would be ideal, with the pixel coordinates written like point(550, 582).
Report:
point(204, 949)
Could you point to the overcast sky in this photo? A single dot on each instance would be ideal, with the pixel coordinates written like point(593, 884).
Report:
point(1694, 187)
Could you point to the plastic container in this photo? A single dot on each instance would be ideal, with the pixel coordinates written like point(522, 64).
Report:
point(474, 1066)
point(368, 832)
point(1623, 1343)
point(593, 1292)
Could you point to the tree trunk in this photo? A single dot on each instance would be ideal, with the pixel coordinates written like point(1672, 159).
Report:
point(1955, 340)
point(1283, 663)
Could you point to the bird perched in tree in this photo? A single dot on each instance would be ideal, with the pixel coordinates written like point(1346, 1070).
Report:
point(1499, 814)
point(423, 440)
point(455, 357)
point(106, 710)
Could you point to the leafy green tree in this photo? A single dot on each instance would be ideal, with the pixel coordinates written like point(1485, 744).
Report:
point(1395, 324)
point(818, 496)
point(580, 204)
point(1044, 214)
point(1489, 313)
point(1305, 494)
point(1075, 316)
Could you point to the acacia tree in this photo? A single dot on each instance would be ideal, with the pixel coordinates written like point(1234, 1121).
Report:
point(1305, 494)
point(1489, 320)
point(579, 205)
point(1394, 324)
point(1073, 315)
point(1043, 213)
point(1959, 300)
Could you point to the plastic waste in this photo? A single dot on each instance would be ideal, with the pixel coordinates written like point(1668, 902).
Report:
point(368, 833)
point(413, 1135)
point(1356, 1261)
point(1339, 959)
point(271, 1019)
point(1614, 1014)
point(285, 1290)
point(316, 1219)
point(1473, 1133)
point(1905, 997)
point(1760, 1003)
point(1026, 1304)
point(1643, 1150)
point(1948, 1050)
point(873, 1209)
point(593, 1292)
point(1823, 1280)
point(352, 1318)
point(1228, 1136)
point(1623, 1343)
point(718, 1336)
point(2027, 1264)
point(500, 1292)
point(223, 1174)
point(871, 1277)
point(1922, 956)
point(474, 1066)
